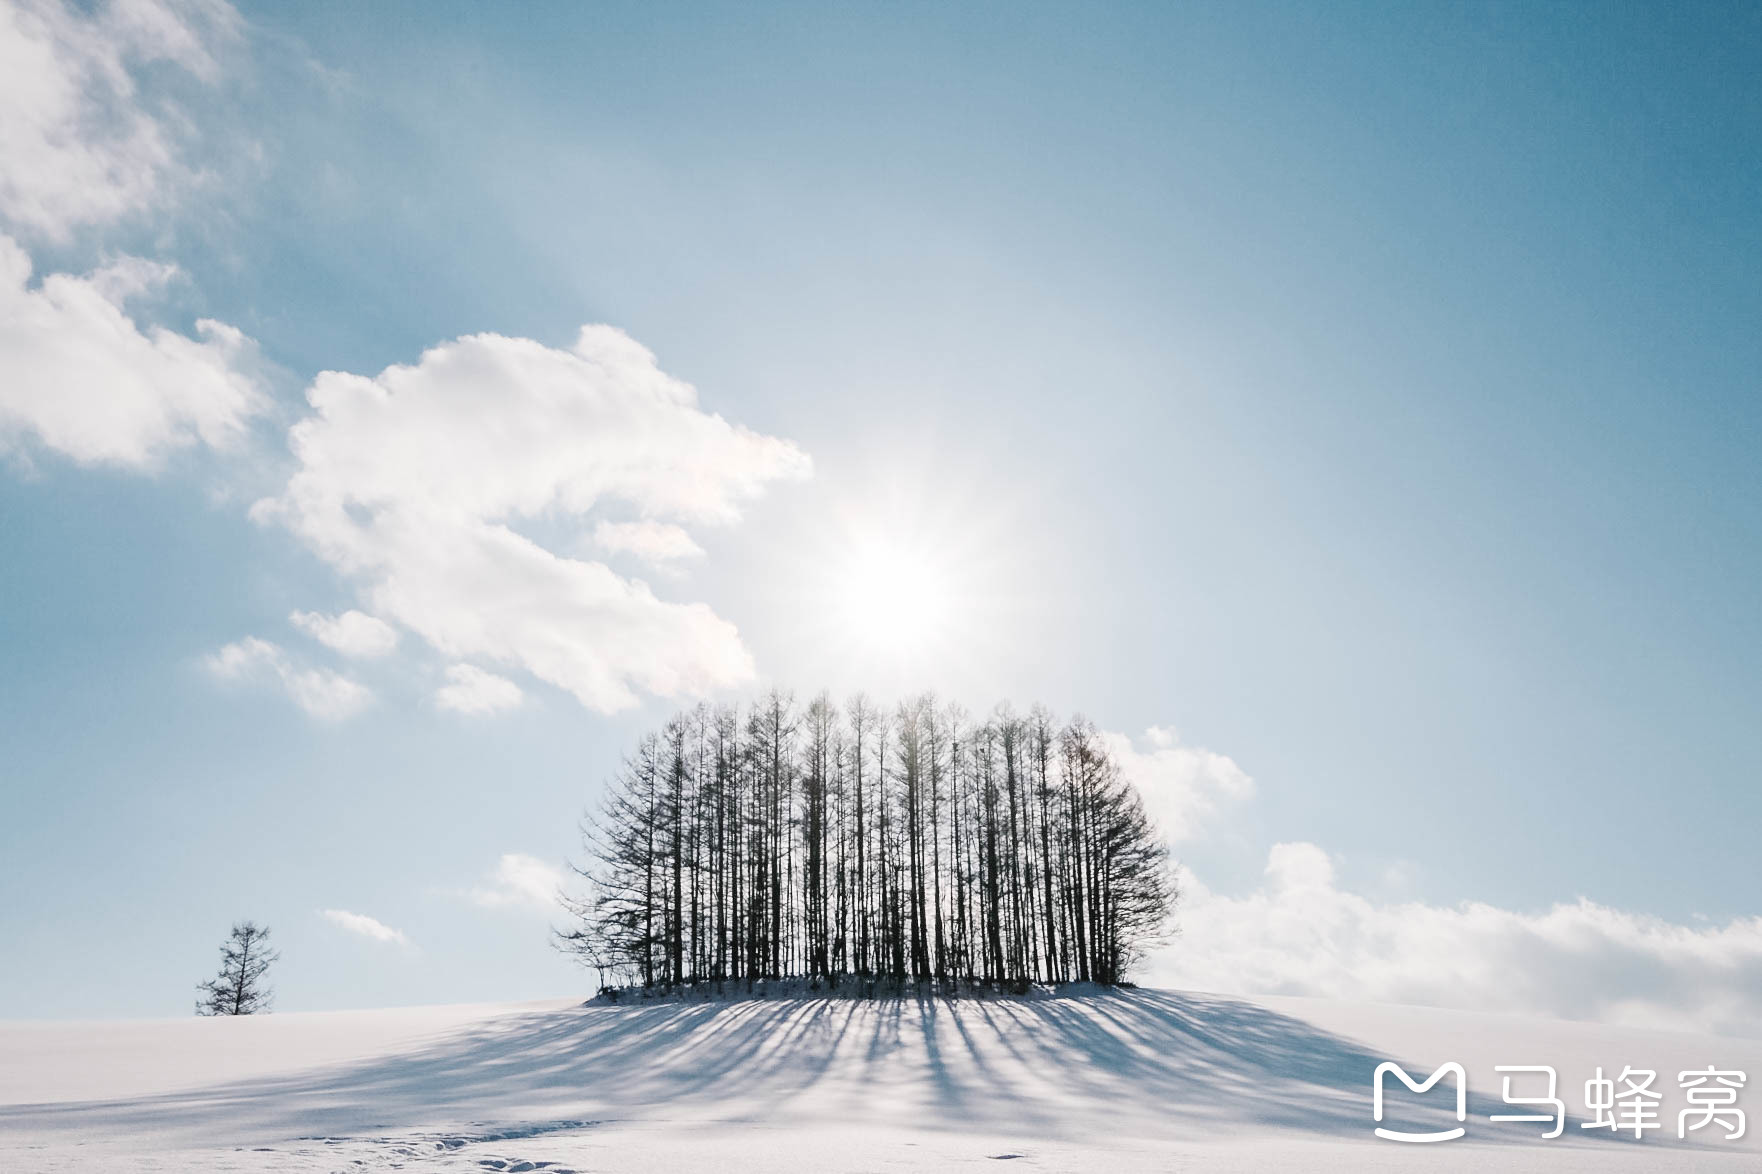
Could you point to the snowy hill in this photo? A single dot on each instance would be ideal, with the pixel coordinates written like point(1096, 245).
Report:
point(1115, 1081)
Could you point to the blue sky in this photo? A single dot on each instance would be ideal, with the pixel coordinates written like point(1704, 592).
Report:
point(1370, 396)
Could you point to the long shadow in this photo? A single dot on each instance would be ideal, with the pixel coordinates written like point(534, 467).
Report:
point(1149, 1062)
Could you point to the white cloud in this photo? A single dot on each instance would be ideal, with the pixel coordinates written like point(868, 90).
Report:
point(320, 692)
point(520, 881)
point(364, 926)
point(80, 143)
point(83, 143)
point(78, 375)
point(1301, 934)
point(471, 690)
point(413, 483)
point(1182, 785)
point(658, 543)
point(353, 633)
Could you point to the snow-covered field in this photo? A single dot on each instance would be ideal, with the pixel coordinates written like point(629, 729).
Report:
point(1107, 1081)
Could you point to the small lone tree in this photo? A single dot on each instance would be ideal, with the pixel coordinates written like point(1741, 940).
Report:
point(239, 988)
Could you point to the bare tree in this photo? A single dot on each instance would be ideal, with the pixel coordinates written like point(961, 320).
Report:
point(239, 989)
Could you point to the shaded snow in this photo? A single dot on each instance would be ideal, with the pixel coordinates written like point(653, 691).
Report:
point(1114, 1081)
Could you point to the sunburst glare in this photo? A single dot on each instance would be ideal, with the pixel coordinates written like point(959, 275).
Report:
point(894, 596)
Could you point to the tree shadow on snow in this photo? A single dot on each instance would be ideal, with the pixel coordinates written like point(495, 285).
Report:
point(1135, 1062)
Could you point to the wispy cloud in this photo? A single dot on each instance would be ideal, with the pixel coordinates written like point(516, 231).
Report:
point(364, 926)
point(471, 690)
point(656, 543)
point(79, 376)
point(353, 633)
point(1300, 933)
point(411, 484)
point(1183, 786)
point(519, 881)
point(86, 141)
point(80, 143)
point(320, 692)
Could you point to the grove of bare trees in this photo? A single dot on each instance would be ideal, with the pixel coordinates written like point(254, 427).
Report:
point(910, 843)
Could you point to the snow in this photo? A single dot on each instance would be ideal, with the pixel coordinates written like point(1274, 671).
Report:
point(1099, 1081)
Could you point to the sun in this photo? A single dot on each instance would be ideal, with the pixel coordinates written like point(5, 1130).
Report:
point(894, 597)
point(905, 582)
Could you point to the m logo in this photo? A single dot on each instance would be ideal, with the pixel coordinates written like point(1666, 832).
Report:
point(1450, 1069)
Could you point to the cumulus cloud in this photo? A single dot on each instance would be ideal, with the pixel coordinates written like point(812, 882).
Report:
point(322, 693)
point(520, 881)
point(419, 485)
point(364, 926)
point(1301, 934)
point(470, 690)
point(80, 377)
point(80, 143)
point(1182, 785)
point(657, 543)
point(352, 633)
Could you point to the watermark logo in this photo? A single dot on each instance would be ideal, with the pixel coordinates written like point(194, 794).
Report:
point(1626, 1103)
point(1450, 1069)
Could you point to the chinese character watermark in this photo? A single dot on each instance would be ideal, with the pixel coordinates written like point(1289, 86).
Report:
point(1627, 1103)
point(1712, 1102)
point(1558, 1116)
point(1637, 1101)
